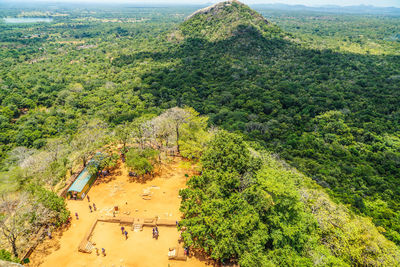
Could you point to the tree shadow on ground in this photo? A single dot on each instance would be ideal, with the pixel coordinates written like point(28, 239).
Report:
point(109, 177)
point(201, 256)
point(142, 179)
point(47, 246)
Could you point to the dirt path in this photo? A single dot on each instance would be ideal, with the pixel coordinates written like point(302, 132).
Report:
point(140, 249)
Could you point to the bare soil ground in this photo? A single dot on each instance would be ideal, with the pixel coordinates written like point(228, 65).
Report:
point(140, 249)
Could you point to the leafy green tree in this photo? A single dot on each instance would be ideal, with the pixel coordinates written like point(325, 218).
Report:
point(141, 161)
point(227, 221)
point(194, 135)
point(123, 132)
point(226, 152)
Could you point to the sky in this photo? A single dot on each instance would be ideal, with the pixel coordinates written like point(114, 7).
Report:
point(380, 3)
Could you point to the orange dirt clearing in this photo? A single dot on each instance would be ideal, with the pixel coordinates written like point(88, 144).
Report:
point(140, 249)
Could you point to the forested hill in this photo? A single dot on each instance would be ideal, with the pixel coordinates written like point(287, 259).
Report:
point(333, 115)
point(223, 20)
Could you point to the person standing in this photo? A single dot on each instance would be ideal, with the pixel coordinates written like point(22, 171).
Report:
point(126, 235)
point(97, 252)
point(49, 234)
point(103, 251)
point(94, 207)
point(122, 229)
point(88, 198)
point(90, 208)
point(76, 215)
point(156, 233)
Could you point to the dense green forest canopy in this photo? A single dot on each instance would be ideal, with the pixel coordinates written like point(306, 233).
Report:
point(247, 207)
point(321, 90)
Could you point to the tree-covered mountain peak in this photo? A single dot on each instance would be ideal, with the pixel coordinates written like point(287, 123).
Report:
point(221, 7)
point(224, 20)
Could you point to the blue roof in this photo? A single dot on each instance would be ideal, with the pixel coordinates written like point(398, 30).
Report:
point(81, 181)
point(84, 176)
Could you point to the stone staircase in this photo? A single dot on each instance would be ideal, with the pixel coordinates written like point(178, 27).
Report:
point(89, 247)
point(137, 227)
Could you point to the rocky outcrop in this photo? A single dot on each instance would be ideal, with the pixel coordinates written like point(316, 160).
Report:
point(214, 8)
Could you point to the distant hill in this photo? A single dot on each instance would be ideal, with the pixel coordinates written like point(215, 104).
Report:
point(223, 20)
point(360, 9)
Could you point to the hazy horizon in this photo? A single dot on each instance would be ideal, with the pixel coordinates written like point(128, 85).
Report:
point(312, 3)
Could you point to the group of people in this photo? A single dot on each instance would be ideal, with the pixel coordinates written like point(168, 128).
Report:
point(94, 207)
point(155, 232)
point(124, 232)
point(103, 252)
point(91, 208)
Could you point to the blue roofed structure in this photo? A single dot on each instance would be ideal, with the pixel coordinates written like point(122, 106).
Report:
point(81, 181)
point(81, 185)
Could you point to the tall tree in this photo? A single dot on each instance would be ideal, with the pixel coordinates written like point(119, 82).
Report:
point(14, 219)
point(177, 116)
point(123, 132)
point(89, 138)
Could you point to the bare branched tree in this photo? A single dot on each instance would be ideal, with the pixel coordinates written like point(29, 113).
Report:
point(141, 130)
point(21, 216)
point(19, 154)
point(57, 148)
point(14, 219)
point(176, 116)
point(89, 138)
point(162, 131)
